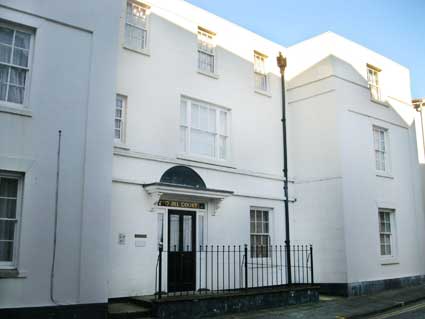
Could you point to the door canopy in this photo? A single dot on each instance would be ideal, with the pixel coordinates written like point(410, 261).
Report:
point(184, 176)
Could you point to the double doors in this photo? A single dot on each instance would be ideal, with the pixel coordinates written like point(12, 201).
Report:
point(181, 250)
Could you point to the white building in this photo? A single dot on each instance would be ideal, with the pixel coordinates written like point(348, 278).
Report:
point(53, 77)
point(355, 165)
point(196, 157)
point(192, 63)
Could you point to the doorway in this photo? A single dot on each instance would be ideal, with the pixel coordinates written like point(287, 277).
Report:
point(181, 250)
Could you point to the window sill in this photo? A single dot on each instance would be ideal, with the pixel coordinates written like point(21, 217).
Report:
point(384, 175)
point(389, 261)
point(121, 146)
point(199, 159)
point(261, 92)
point(11, 273)
point(142, 52)
point(15, 110)
point(209, 74)
point(380, 102)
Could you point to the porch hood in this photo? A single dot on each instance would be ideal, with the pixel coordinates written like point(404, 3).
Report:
point(156, 190)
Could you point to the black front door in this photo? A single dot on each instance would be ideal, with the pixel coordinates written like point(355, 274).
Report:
point(181, 251)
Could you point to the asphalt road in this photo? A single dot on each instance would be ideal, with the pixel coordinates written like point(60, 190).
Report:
point(414, 311)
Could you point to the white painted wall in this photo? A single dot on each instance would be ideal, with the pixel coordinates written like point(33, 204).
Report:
point(71, 90)
point(154, 84)
point(331, 118)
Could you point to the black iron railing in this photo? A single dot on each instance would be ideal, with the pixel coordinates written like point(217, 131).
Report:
point(214, 269)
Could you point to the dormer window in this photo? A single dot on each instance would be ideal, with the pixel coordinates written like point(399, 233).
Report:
point(136, 26)
point(373, 82)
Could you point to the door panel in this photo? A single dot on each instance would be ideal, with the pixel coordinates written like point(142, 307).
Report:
point(181, 251)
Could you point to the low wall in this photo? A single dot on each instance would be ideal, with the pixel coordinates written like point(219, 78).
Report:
point(195, 306)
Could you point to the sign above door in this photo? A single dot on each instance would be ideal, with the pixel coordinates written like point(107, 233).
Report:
point(181, 204)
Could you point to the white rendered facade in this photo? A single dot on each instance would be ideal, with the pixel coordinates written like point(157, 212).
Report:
point(66, 88)
point(342, 173)
point(148, 59)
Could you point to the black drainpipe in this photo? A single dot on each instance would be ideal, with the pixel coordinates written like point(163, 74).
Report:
point(281, 62)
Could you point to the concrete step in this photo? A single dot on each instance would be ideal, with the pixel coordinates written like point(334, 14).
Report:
point(144, 301)
point(127, 310)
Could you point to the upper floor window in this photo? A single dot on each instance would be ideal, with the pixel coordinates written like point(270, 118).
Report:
point(260, 72)
point(120, 117)
point(259, 232)
point(387, 232)
point(206, 51)
point(15, 51)
point(373, 82)
point(10, 203)
point(204, 129)
point(136, 26)
point(381, 145)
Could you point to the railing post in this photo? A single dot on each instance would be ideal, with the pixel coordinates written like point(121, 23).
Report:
point(246, 265)
point(311, 265)
point(160, 271)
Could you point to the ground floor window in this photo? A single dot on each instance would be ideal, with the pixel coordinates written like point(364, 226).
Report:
point(259, 232)
point(10, 203)
point(387, 232)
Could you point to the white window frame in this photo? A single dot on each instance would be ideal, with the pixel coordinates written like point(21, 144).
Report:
point(123, 119)
point(261, 72)
point(269, 233)
point(385, 151)
point(205, 35)
point(144, 28)
point(13, 264)
point(373, 74)
point(392, 257)
point(28, 69)
point(187, 125)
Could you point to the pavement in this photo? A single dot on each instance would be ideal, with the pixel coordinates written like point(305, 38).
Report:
point(347, 308)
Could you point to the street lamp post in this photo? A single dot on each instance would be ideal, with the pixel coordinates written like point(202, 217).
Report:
point(281, 62)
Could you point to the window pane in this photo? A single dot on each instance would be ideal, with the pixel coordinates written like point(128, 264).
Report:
point(252, 227)
point(6, 251)
point(17, 76)
point(6, 35)
point(252, 215)
point(212, 120)
point(187, 233)
point(160, 228)
point(4, 73)
point(201, 230)
point(5, 53)
point(22, 40)
point(259, 215)
point(8, 187)
point(174, 233)
point(195, 115)
point(202, 143)
point(203, 118)
point(7, 229)
point(20, 57)
point(7, 208)
point(16, 94)
point(222, 147)
point(223, 123)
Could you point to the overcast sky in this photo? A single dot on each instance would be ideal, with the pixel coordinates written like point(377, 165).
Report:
point(393, 28)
